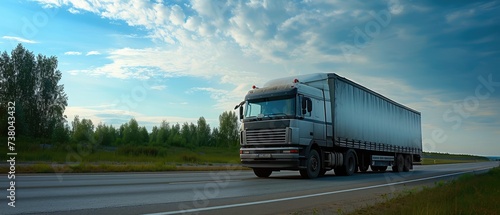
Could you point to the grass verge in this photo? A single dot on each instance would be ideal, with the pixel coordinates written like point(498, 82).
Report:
point(469, 194)
point(106, 167)
point(432, 161)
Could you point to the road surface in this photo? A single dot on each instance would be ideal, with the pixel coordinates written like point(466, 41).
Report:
point(218, 192)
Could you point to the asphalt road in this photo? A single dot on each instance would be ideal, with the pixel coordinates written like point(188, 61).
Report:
point(220, 192)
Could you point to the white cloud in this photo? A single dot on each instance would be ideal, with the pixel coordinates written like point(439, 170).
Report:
point(19, 39)
point(395, 7)
point(158, 87)
point(93, 53)
point(73, 11)
point(72, 53)
point(224, 99)
point(461, 14)
point(177, 15)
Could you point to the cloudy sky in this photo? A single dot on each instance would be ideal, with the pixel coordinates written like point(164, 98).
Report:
point(179, 60)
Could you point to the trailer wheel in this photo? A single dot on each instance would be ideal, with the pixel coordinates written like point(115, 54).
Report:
point(262, 173)
point(363, 168)
point(400, 163)
point(379, 168)
point(349, 166)
point(313, 165)
point(408, 163)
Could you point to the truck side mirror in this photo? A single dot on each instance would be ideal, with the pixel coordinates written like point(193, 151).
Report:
point(306, 105)
point(241, 112)
point(309, 105)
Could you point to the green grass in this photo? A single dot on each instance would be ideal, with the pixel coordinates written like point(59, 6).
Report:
point(32, 158)
point(30, 151)
point(431, 161)
point(106, 167)
point(469, 194)
point(430, 158)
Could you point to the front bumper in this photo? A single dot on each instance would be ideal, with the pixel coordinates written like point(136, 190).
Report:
point(280, 158)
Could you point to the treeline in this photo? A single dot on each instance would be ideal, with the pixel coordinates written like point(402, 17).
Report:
point(30, 94)
point(188, 135)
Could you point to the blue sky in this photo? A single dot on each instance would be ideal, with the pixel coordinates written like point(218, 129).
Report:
point(179, 60)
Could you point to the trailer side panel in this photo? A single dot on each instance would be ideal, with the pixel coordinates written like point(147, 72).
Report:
point(371, 121)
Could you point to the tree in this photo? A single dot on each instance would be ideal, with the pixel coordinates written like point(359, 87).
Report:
point(154, 135)
point(163, 133)
point(105, 135)
point(131, 133)
point(203, 134)
point(144, 135)
point(61, 133)
point(175, 137)
point(215, 139)
point(228, 128)
point(82, 131)
point(32, 83)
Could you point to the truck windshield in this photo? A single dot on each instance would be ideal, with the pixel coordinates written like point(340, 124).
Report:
point(270, 107)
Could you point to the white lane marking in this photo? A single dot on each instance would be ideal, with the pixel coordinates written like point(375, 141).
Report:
point(308, 196)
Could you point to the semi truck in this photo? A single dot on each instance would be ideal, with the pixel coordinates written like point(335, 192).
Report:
point(320, 122)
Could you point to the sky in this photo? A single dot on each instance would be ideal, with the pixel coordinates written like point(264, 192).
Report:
point(180, 60)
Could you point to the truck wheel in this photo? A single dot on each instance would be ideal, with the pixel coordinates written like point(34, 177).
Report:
point(400, 163)
point(262, 173)
point(408, 163)
point(349, 166)
point(313, 165)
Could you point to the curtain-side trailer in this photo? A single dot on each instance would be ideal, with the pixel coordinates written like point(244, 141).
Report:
point(320, 122)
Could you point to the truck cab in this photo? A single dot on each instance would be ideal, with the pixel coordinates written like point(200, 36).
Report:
point(280, 122)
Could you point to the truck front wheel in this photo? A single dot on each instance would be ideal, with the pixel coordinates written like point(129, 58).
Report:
point(313, 165)
point(262, 173)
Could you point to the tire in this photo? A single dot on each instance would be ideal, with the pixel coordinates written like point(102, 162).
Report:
point(400, 163)
point(262, 173)
point(349, 166)
point(313, 165)
point(363, 168)
point(408, 163)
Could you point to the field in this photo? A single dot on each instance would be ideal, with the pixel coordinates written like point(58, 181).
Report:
point(429, 158)
point(33, 158)
point(469, 194)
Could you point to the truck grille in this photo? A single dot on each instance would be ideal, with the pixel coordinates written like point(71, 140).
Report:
point(266, 136)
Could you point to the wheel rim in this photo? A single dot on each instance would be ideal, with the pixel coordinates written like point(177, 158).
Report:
point(314, 163)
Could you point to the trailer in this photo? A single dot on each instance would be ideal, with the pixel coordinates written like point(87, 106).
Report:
point(320, 122)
